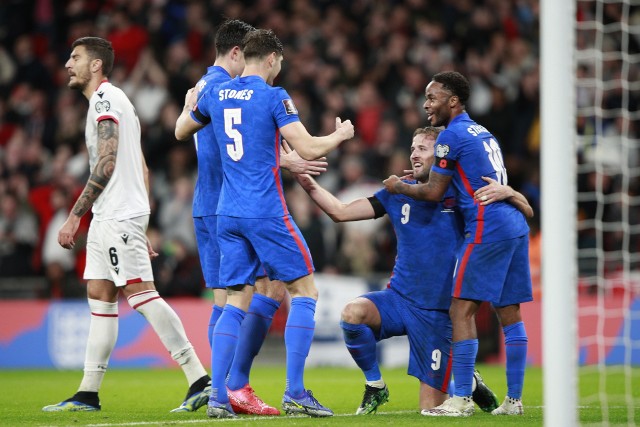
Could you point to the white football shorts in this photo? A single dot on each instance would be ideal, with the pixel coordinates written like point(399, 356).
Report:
point(117, 251)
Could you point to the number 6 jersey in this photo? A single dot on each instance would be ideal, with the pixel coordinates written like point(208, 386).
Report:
point(246, 114)
point(467, 151)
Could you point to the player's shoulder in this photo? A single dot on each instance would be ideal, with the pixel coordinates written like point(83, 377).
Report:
point(108, 98)
point(107, 92)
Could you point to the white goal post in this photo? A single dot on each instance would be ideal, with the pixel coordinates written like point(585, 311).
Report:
point(558, 212)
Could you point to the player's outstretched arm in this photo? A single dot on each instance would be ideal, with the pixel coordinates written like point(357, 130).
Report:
point(291, 160)
point(356, 210)
point(313, 147)
point(108, 131)
point(185, 125)
point(495, 192)
point(433, 190)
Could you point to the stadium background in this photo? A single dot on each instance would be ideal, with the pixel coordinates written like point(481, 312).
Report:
point(367, 61)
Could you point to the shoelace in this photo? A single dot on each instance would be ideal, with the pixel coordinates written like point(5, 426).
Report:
point(313, 399)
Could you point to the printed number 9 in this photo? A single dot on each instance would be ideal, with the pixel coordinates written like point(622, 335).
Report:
point(436, 356)
point(406, 210)
point(233, 116)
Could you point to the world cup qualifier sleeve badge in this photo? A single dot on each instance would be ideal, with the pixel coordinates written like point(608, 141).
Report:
point(441, 161)
point(103, 106)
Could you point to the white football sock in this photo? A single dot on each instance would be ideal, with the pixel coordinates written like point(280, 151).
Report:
point(103, 333)
point(168, 327)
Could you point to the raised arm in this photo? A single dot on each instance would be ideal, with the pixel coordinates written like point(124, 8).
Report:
point(291, 160)
point(495, 192)
point(433, 190)
point(108, 131)
point(356, 210)
point(185, 125)
point(313, 147)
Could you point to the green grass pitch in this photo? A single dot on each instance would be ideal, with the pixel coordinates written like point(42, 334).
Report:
point(144, 397)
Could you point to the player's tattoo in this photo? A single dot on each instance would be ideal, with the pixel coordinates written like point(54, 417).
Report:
point(436, 181)
point(103, 169)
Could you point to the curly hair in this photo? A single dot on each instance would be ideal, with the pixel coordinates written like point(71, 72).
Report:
point(455, 83)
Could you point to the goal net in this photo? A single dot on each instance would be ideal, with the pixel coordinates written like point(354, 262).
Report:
point(607, 122)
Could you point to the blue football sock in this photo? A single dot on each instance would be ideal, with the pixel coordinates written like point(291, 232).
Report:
point(464, 360)
point(515, 343)
point(361, 344)
point(252, 334)
point(298, 335)
point(225, 340)
point(216, 311)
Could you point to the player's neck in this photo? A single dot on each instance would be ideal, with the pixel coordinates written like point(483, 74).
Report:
point(225, 64)
point(256, 70)
point(92, 86)
point(455, 113)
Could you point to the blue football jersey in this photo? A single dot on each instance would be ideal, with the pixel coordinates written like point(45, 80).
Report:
point(209, 181)
point(246, 114)
point(467, 151)
point(428, 235)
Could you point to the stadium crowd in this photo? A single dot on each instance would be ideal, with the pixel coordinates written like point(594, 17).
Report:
point(363, 60)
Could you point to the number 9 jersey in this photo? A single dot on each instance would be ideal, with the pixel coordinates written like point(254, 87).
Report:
point(467, 151)
point(246, 114)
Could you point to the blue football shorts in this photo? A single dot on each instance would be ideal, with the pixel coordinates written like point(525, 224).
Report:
point(248, 244)
point(497, 272)
point(429, 333)
point(207, 238)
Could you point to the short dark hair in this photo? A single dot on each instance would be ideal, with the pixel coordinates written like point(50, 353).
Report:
point(97, 48)
point(261, 43)
point(230, 34)
point(427, 130)
point(455, 83)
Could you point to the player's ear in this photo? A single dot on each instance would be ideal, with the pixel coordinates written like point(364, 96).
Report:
point(272, 59)
point(453, 101)
point(96, 65)
point(236, 52)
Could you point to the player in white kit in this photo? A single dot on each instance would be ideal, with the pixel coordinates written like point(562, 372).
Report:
point(118, 252)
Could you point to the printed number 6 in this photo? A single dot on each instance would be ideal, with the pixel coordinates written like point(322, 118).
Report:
point(233, 116)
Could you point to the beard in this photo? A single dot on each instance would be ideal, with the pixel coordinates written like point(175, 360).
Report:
point(78, 82)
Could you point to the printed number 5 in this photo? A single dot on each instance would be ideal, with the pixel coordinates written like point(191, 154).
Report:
point(233, 116)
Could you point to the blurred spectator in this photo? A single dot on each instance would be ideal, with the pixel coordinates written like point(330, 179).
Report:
point(364, 61)
point(175, 216)
point(18, 237)
point(59, 263)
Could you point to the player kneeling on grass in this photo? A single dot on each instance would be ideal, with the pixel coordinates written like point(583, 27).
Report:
point(417, 299)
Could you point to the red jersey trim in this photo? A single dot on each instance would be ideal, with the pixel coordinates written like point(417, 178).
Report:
point(105, 80)
point(276, 174)
point(101, 118)
point(477, 238)
point(457, 289)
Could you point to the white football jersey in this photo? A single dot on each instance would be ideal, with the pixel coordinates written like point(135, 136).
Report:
point(125, 196)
